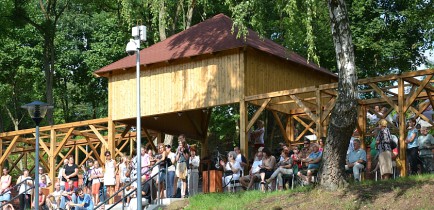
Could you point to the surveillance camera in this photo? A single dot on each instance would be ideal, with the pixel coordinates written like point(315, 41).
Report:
point(131, 47)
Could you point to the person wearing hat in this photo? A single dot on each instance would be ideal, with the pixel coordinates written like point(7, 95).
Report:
point(383, 140)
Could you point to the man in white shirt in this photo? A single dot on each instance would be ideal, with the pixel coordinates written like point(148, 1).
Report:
point(240, 159)
point(253, 176)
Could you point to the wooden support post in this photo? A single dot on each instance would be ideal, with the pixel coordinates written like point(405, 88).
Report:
point(52, 159)
point(401, 116)
point(361, 125)
point(290, 129)
point(244, 144)
point(318, 113)
point(279, 123)
point(111, 132)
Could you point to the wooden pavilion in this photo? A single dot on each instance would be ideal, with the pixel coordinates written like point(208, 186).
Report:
point(186, 75)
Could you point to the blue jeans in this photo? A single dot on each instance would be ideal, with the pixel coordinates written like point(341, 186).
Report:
point(65, 199)
point(170, 184)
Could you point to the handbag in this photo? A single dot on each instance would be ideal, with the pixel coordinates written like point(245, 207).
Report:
point(228, 173)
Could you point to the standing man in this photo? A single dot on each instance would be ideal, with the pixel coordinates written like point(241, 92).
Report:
point(356, 159)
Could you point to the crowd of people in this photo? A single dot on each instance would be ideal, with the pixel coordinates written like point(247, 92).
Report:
point(175, 172)
point(165, 168)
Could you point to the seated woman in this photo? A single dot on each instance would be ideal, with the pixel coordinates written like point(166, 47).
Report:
point(231, 170)
point(313, 161)
point(283, 167)
point(267, 167)
point(41, 202)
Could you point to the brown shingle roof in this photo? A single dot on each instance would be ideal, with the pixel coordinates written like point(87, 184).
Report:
point(210, 36)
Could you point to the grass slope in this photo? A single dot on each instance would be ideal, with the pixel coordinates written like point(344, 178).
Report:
point(415, 192)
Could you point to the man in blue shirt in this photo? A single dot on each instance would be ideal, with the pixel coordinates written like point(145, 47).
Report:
point(355, 159)
point(313, 161)
point(84, 201)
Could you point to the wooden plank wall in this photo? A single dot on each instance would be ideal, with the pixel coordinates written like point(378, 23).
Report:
point(266, 73)
point(197, 84)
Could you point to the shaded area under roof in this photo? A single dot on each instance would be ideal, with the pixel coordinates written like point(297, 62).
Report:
point(210, 36)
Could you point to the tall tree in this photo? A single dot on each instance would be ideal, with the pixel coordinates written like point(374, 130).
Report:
point(44, 19)
point(344, 114)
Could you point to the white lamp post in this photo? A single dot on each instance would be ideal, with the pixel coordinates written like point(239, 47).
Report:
point(133, 47)
point(37, 111)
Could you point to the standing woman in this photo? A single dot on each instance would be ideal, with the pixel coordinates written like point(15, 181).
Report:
point(384, 149)
point(123, 168)
point(426, 145)
point(232, 170)
point(267, 167)
point(5, 193)
point(412, 146)
point(96, 175)
point(70, 173)
point(193, 172)
point(60, 175)
point(109, 174)
point(182, 156)
point(86, 175)
point(23, 190)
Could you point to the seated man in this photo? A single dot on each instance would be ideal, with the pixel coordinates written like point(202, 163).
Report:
point(84, 201)
point(305, 151)
point(53, 199)
point(68, 195)
point(313, 161)
point(356, 159)
point(248, 180)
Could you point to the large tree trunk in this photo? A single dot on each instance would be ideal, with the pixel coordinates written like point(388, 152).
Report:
point(162, 21)
point(49, 71)
point(190, 13)
point(344, 114)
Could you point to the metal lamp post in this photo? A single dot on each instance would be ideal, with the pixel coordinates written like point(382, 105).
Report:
point(133, 47)
point(37, 111)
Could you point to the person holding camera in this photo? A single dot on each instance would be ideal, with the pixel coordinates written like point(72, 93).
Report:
point(182, 157)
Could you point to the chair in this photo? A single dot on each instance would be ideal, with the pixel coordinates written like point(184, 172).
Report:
point(288, 177)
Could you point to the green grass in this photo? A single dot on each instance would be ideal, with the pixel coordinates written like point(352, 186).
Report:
point(366, 194)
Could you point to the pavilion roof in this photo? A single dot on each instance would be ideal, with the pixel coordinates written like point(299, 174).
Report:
point(210, 36)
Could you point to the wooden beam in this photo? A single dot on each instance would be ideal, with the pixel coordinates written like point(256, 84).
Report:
point(60, 126)
point(9, 149)
point(100, 137)
point(95, 152)
point(402, 127)
point(416, 93)
point(63, 142)
point(304, 124)
point(150, 140)
point(328, 109)
point(244, 143)
point(305, 108)
point(418, 82)
point(279, 123)
point(305, 131)
point(280, 93)
point(318, 114)
point(258, 113)
point(384, 96)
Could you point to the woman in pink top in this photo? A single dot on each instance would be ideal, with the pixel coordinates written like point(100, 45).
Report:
point(6, 179)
